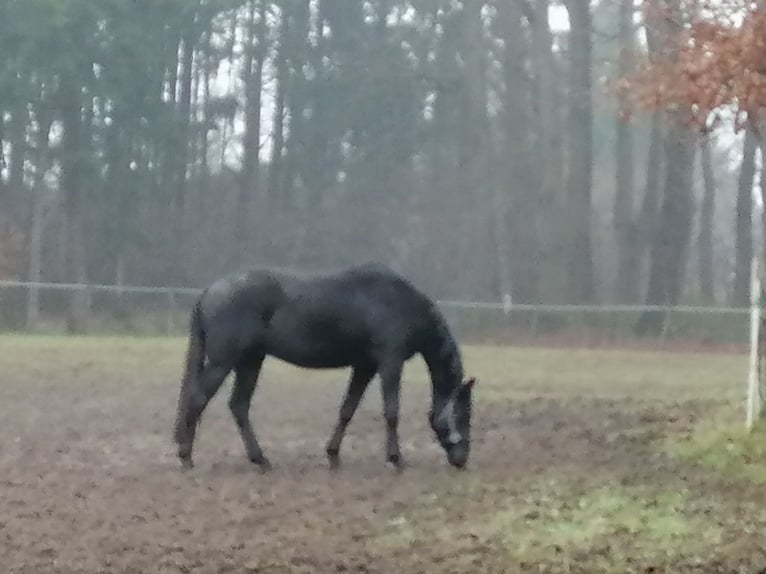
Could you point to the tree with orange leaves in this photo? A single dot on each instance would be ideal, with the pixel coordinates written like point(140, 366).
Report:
point(716, 60)
point(706, 57)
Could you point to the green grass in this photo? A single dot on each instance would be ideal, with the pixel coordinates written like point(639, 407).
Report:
point(732, 452)
point(607, 524)
point(630, 520)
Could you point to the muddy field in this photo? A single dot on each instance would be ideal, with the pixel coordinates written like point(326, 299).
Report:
point(89, 481)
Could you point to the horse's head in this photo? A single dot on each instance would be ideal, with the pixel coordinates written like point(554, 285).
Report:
point(452, 424)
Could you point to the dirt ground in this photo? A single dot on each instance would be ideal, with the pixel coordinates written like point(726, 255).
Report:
point(89, 481)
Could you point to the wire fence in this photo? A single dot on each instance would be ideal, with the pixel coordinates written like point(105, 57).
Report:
point(142, 310)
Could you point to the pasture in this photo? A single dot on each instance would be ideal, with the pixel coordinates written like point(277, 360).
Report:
point(582, 461)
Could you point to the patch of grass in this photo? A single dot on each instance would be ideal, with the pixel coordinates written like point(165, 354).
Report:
point(607, 525)
point(733, 452)
point(630, 519)
point(503, 372)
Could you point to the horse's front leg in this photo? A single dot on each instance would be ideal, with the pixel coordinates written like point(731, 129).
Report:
point(390, 378)
point(360, 378)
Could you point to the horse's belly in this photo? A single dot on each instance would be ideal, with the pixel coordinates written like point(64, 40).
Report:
point(314, 354)
point(313, 360)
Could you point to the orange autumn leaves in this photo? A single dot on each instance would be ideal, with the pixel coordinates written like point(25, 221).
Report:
point(704, 64)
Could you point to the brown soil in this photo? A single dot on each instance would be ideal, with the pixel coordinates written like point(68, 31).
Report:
point(89, 481)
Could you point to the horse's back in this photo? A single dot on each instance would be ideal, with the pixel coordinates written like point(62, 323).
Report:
point(328, 319)
point(377, 288)
point(259, 291)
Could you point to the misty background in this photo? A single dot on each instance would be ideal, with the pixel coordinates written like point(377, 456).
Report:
point(479, 147)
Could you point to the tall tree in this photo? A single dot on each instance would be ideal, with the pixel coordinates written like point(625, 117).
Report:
point(522, 192)
point(648, 218)
point(707, 218)
point(672, 237)
point(74, 167)
point(743, 224)
point(278, 140)
point(670, 245)
point(44, 117)
point(549, 106)
point(625, 226)
point(252, 74)
point(473, 139)
point(580, 152)
point(713, 62)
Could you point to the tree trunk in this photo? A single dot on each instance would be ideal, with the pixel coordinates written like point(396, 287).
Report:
point(522, 190)
point(207, 66)
point(650, 205)
point(707, 217)
point(255, 52)
point(625, 226)
point(473, 151)
point(670, 245)
point(295, 91)
point(580, 137)
point(182, 156)
point(36, 223)
point(762, 146)
point(550, 157)
point(73, 166)
point(18, 140)
point(296, 97)
point(3, 162)
point(317, 171)
point(648, 219)
point(743, 223)
point(275, 164)
point(172, 97)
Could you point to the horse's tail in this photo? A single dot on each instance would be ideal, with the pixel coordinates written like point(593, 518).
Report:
point(195, 353)
point(195, 359)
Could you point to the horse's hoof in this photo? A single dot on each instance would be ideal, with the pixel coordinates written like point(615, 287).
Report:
point(395, 462)
point(334, 461)
point(186, 463)
point(263, 464)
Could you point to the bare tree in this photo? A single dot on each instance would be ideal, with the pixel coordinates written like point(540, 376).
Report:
point(580, 152)
point(707, 217)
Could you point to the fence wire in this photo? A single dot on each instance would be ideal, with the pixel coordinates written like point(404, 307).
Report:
point(143, 310)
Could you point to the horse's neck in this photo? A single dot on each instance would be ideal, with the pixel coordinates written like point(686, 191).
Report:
point(444, 364)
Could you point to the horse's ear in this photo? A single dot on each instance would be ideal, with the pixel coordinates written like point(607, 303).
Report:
point(467, 386)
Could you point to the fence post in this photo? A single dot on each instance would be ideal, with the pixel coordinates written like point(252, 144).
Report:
point(171, 311)
point(665, 327)
point(753, 388)
point(33, 307)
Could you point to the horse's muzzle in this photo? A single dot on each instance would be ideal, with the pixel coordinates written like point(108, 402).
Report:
point(457, 455)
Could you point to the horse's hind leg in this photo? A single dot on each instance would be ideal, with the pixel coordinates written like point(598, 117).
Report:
point(360, 379)
point(239, 404)
point(198, 395)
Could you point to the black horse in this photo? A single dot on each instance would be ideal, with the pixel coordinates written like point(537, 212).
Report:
point(366, 317)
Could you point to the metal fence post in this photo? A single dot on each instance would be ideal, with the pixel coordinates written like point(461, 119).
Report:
point(171, 311)
point(665, 327)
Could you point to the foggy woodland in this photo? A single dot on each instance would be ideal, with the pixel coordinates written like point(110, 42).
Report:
point(480, 148)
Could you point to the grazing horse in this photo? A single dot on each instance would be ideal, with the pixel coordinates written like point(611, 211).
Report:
point(365, 317)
